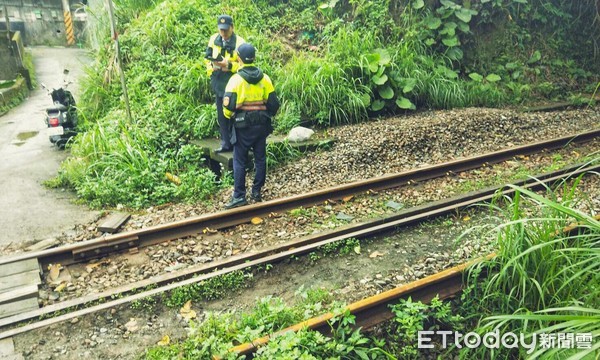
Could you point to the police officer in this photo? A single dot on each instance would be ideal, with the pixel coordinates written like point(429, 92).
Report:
point(221, 63)
point(249, 102)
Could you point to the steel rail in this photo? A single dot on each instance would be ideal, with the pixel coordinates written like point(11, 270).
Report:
point(374, 310)
point(156, 234)
point(273, 254)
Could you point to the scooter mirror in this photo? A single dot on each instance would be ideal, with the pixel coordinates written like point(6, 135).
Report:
point(43, 86)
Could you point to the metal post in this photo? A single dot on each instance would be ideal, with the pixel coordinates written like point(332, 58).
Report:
point(115, 37)
point(68, 23)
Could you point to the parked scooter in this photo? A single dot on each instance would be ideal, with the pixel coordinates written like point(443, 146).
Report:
point(62, 117)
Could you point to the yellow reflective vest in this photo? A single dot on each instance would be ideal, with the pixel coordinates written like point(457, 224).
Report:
point(215, 48)
point(227, 50)
point(250, 90)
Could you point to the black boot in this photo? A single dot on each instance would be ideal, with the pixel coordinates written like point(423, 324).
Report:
point(255, 196)
point(236, 202)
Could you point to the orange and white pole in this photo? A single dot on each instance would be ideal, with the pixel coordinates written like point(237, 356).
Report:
point(68, 23)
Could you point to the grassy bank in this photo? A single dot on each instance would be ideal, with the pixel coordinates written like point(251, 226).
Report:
point(332, 63)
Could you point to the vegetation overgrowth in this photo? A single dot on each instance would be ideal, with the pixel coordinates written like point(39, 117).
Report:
point(543, 280)
point(332, 63)
point(219, 332)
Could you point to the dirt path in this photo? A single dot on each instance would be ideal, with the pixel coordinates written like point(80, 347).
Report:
point(28, 210)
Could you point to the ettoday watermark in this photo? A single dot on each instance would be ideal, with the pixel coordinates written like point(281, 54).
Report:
point(495, 340)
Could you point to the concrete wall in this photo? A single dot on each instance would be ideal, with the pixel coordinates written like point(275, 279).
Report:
point(41, 22)
point(10, 57)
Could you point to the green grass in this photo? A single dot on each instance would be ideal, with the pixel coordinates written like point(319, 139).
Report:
point(530, 287)
point(5, 84)
point(214, 288)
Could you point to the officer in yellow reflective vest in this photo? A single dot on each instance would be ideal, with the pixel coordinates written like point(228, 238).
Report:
point(221, 64)
point(249, 102)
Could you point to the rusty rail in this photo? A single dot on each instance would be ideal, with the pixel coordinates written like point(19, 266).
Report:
point(375, 309)
point(164, 232)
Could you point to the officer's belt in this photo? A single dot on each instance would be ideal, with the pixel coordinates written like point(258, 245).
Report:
point(253, 108)
point(244, 118)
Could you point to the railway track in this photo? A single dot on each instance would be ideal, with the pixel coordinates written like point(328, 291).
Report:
point(132, 292)
point(375, 310)
point(105, 245)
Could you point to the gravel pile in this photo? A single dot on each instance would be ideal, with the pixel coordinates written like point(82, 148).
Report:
point(392, 145)
point(397, 144)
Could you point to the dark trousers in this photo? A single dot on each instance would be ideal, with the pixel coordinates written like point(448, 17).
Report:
point(251, 138)
point(224, 125)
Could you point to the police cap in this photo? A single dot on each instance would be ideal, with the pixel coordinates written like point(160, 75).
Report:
point(224, 22)
point(247, 53)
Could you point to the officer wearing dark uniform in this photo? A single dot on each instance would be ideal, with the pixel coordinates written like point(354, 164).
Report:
point(221, 63)
point(249, 102)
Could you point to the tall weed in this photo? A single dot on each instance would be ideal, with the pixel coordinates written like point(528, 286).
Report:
point(530, 288)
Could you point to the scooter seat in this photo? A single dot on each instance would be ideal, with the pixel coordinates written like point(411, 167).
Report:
point(57, 107)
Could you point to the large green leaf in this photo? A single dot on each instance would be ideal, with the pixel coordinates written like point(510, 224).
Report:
point(409, 85)
point(535, 57)
point(447, 72)
point(464, 27)
point(384, 56)
point(404, 103)
point(365, 99)
point(493, 78)
point(433, 22)
point(386, 92)
point(373, 60)
point(417, 4)
point(476, 77)
point(454, 53)
point(377, 105)
point(451, 41)
point(450, 25)
point(444, 13)
point(511, 66)
point(329, 5)
point(448, 31)
point(463, 14)
point(449, 4)
point(380, 80)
